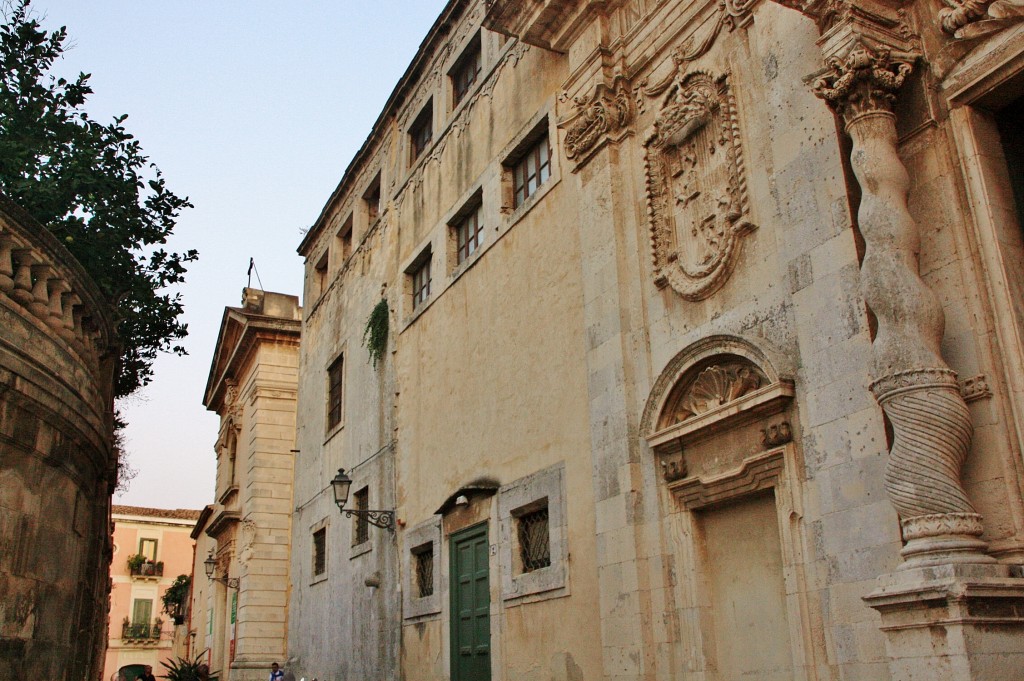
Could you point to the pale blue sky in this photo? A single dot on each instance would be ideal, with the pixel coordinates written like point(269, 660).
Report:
point(252, 109)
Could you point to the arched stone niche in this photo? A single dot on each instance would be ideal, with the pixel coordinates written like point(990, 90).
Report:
point(720, 424)
point(716, 403)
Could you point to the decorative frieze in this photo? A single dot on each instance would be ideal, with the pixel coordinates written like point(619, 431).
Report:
point(697, 204)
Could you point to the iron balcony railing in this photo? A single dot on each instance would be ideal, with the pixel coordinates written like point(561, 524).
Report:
point(141, 631)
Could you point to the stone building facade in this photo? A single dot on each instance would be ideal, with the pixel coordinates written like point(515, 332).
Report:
point(705, 338)
point(241, 617)
point(140, 631)
point(58, 467)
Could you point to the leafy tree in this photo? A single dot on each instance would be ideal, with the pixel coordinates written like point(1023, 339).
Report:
point(91, 185)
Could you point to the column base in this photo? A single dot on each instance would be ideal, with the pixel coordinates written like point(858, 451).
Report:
point(957, 622)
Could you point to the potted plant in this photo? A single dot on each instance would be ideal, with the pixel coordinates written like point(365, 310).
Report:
point(135, 562)
point(176, 597)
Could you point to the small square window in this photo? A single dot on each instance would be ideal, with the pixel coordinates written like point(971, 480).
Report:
point(419, 276)
point(320, 552)
point(534, 539)
point(371, 197)
point(469, 233)
point(422, 131)
point(424, 563)
point(335, 376)
point(466, 70)
point(531, 170)
point(361, 502)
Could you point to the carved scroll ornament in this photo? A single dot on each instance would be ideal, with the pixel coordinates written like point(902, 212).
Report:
point(697, 204)
point(863, 82)
point(607, 111)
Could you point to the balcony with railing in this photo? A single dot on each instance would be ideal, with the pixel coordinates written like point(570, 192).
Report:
point(147, 569)
point(142, 633)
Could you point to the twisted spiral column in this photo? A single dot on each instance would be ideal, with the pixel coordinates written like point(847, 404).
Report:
point(914, 386)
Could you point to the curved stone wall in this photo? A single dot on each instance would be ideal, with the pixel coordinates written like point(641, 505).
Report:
point(57, 463)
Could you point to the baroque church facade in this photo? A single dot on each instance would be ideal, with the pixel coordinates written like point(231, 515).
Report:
point(672, 340)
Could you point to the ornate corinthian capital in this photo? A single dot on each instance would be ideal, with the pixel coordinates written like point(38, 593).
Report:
point(863, 82)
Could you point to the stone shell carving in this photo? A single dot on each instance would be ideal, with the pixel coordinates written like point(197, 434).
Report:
point(697, 205)
point(713, 387)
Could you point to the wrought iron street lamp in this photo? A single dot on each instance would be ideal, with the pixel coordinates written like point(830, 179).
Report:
point(342, 484)
point(210, 564)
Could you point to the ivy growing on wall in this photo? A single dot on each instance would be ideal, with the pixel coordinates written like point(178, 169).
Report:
point(375, 335)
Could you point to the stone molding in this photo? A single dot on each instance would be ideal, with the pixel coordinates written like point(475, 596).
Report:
point(755, 474)
point(695, 175)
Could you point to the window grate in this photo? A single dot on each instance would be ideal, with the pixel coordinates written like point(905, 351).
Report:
point(534, 541)
point(425, 571)
point(362, 503)
point(319, 552)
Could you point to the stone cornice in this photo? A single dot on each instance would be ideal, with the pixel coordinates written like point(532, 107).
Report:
point(551, 24)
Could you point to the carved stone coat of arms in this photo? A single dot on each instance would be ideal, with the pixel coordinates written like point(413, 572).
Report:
point(696, 188)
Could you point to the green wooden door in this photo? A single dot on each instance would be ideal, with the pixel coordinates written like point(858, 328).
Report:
point(471, 606)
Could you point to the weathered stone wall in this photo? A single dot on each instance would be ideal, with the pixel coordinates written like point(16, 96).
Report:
point(732, 320)
point(57, 465)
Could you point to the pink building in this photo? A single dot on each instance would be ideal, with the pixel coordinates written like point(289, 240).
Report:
point(152, 547)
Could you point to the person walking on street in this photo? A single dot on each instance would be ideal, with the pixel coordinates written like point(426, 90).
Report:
point(275, 673)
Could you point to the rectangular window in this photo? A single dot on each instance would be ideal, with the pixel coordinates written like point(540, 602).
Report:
point(319, 552)
point(345, 241)
point(420, 276)
point(320, 275)
point(371, 197)
point(142, 610)
point(424, 560)
point(531, 170)
point(361, 501)
point(466, 70)
point(422, 131)
point(147, 547)
point(534, 540)
point(470, 233)
point(334, 388)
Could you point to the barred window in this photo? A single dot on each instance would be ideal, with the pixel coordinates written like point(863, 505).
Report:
point(361, 500)
point(534, 542)
point(319, 552)
point(470, 234)
point(531, 170)
point(424, 559)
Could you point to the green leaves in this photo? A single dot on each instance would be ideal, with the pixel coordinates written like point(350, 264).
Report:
point(375, 335)
point(92, 186)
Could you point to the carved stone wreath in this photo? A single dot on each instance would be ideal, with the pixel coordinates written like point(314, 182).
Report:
point(697, 204)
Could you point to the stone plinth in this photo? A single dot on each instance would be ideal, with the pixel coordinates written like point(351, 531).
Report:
point(953, 622)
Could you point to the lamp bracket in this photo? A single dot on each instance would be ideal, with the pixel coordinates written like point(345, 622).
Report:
point(382, 519)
